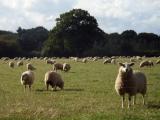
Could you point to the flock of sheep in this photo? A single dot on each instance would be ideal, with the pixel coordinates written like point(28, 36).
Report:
point(128, 81)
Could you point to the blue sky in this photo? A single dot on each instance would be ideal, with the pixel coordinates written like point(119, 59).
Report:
point(112, 15)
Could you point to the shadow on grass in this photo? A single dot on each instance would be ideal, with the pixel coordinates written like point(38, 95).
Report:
point(74, 89)
point(68, 89)
point(153, 105)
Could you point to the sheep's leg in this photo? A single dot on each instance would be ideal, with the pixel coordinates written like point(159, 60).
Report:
point(129, 101)
point(25, 88)
point(55, 88)
point(47, 86)
point(134, 100)
point(143, 97)
point(30, 88)
point(123, 98)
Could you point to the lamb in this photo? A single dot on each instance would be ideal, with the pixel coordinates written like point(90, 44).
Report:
point(30, 66)
point(66, 67)
point(130, 82)
point(58, 66)
point(146, 63)
point(54, 80)
point(27, 78)
point(11, 64)
point(20, 63)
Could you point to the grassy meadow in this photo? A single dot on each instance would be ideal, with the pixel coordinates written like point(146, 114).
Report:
point(88, 93)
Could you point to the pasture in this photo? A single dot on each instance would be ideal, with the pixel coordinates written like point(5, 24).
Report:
point(88, 93)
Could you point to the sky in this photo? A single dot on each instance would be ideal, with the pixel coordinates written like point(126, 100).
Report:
point(112, 15)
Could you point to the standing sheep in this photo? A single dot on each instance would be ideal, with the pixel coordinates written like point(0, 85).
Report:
point(20, 63)
point(130, 82)
point(58, 66)
point(146, 63)
point(54, 80)
point(66, 67)
point(50, 61)
point(27, 78)
point(158, 62)
point(11, 64)
point(30, 66)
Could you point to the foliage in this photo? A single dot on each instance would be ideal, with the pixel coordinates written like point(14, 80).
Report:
point(75, 32)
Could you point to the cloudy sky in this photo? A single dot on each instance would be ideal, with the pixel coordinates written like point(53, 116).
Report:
point(112, 15)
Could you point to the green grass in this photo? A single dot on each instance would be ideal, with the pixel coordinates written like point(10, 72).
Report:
point(88, 94)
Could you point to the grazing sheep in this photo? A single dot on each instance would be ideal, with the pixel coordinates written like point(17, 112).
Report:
point(107, 61)
point(130, 82)
point(50, 61)
point(53, 79)
point(58, 66)
point(146, 63)
point(158, 62)
point(20, 63)
point(27, 78)
point(30, 66)
point(113, 61)
point(132, 60)
point(11, 64)
point(66, 67)
point(84, 60)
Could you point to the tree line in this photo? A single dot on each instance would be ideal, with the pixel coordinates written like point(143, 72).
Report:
point(77, 33)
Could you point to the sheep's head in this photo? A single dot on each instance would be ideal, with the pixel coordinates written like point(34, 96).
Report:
point(126, 67)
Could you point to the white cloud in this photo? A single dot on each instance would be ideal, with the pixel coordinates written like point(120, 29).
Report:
point(112, 15)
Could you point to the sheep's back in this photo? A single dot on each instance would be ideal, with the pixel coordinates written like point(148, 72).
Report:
point(141, 82)
point(27, 78)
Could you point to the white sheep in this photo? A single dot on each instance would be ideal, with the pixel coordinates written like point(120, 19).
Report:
point(84, 60)
point(113, 61)
point(146, 63)
point(130, 82)
point(11, 64)
point(66, 67)
point(27, 78)
point(107, 61)
point(30, 66)
point(53, 79)
point(158, 62)
point(20, 63)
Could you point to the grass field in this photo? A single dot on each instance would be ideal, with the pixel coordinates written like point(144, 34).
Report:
point(88, 94)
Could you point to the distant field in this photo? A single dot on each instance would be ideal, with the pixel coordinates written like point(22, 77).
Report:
point(88, 94)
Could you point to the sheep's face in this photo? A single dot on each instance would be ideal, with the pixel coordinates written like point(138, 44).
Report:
point(126, 67)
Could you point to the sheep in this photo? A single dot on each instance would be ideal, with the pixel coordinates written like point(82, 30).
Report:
point(158, 62)
point(146, 63)
point(30, 66)
point(84, 60)
point(107, 61)
point(20, 63)
point(27, 78)
point(54, 80)
point(130, 82)
point(50, 61)
point(113, 61)
point(66, 67)
point(58, 66)
point(11, 64)
point(132, 60)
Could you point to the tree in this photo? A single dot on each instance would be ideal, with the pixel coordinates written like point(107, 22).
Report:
point(32, 39)
point(75, 32)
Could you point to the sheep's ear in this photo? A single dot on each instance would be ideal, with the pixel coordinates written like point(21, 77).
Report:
point(131, 64)
point(121, 64)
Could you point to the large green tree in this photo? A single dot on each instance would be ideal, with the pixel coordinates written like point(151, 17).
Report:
point(75, 32)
